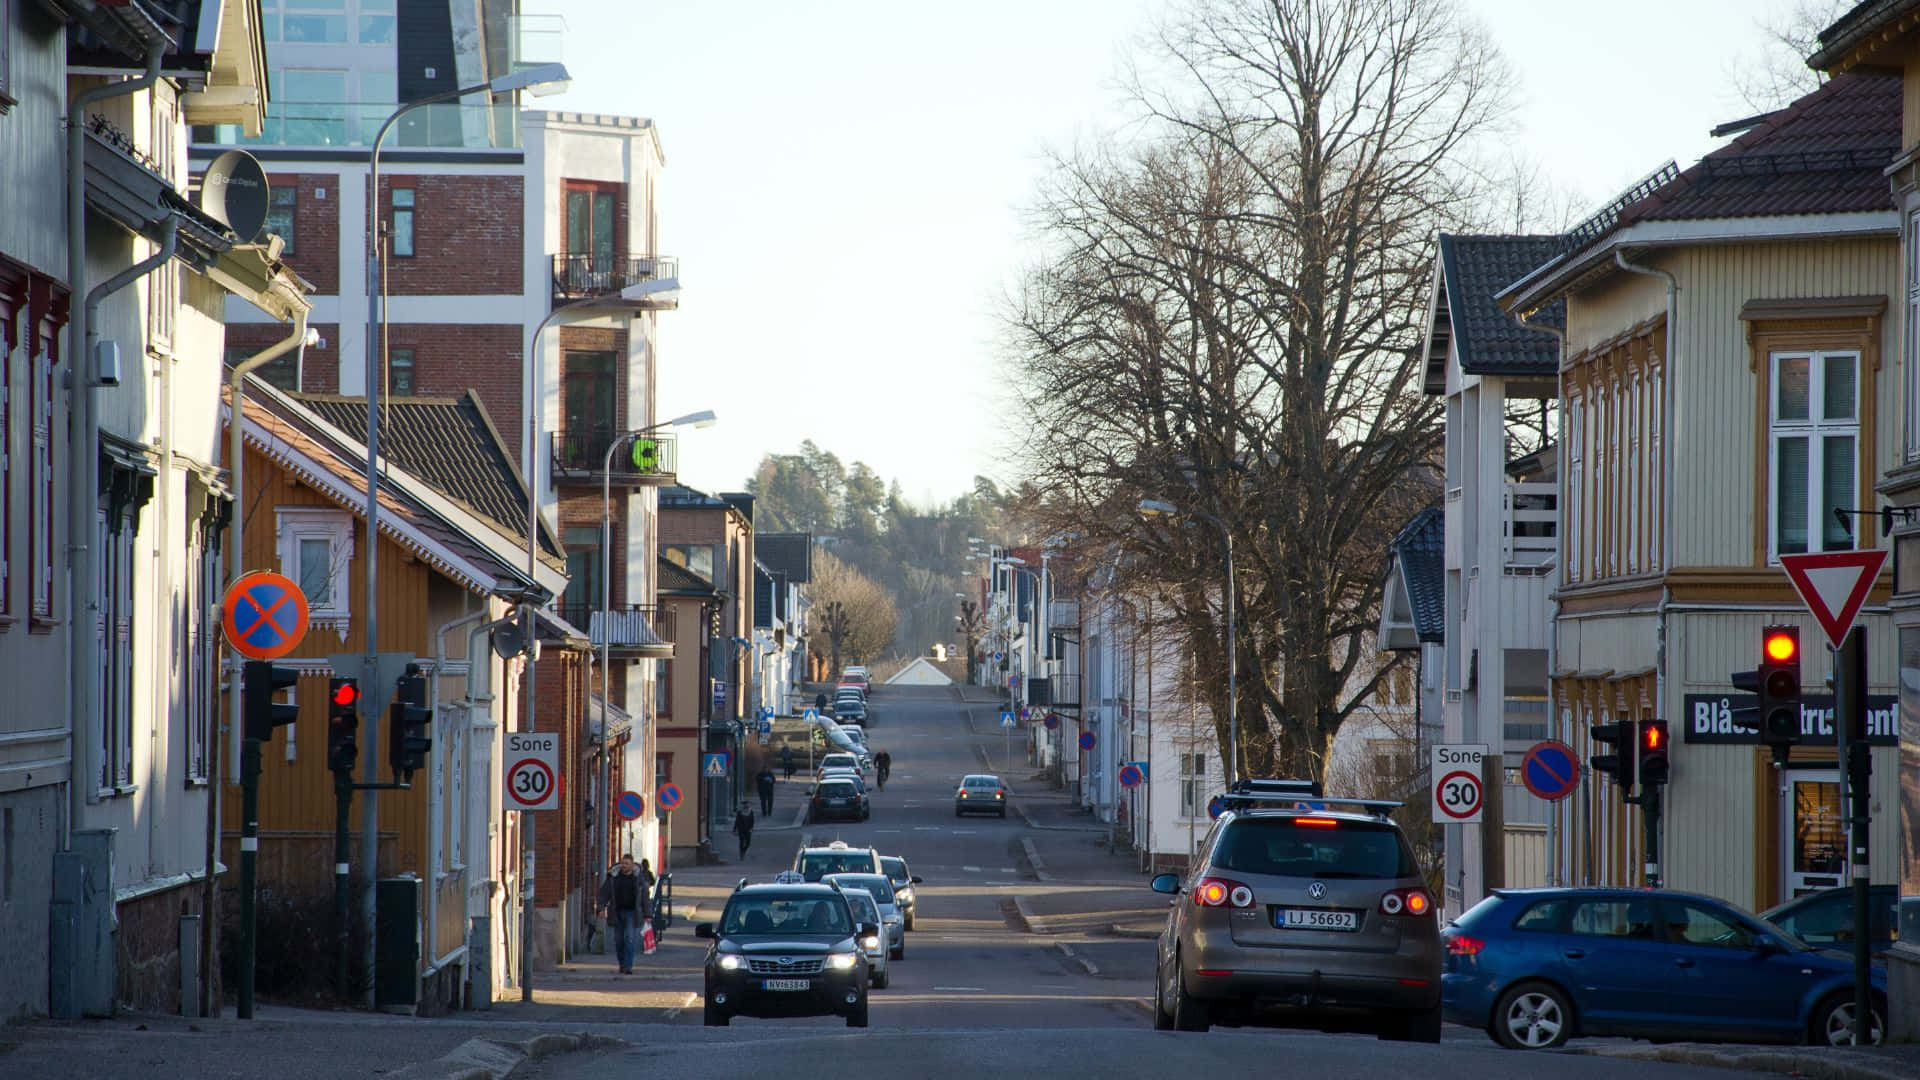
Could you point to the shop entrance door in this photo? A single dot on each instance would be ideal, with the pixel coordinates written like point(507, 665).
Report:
point(1815, 833)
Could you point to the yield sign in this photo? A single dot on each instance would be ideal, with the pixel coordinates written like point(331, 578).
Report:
point(1834, 585)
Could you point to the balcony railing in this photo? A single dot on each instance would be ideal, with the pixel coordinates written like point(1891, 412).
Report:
point(1533, 525)
point(1062, 691)
point(578, 456)
point(580, 277)
point(465, 124)
point(640, 628)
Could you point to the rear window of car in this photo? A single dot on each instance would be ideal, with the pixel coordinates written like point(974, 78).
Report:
point(836, 788)
point(1350, 849)
point(845, 761)
point(981, 782)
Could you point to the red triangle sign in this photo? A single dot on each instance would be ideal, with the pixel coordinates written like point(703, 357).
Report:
point(1834, 585)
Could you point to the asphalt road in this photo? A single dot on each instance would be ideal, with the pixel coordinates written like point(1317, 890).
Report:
point(978, 994)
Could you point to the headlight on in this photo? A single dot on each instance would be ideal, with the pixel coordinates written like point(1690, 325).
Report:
point(870, 942)
point(906, 896)
point(732, 963)
point(843, 961)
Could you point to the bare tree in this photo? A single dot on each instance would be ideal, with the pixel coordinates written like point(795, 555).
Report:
point(1773, 75)
point(1227, 322)
point(853, 615)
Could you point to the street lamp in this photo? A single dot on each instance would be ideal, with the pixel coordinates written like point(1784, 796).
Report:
point(701, 419)
point(1154, 507)
point(523, 79)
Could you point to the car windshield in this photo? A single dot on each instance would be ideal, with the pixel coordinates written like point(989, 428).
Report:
point(775, 913)
point(864, 909)
point(838, 761)
point(876, 884)
point(818, 864)
point(896, 870)
point(1348, 849)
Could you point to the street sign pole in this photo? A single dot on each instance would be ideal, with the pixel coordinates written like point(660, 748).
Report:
point(1850, 717)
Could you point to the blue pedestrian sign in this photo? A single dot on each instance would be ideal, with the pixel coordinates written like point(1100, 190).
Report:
point(811, 716)
point(1550, 770)
point(714, 766)
point(1006, 717)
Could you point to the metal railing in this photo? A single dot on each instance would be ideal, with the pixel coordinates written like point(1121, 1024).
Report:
point(1063, 691)
point(579, 454)
point(630, 625)
point(577, 277)
point(468, 125)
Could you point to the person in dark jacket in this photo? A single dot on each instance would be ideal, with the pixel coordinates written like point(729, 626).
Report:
point(625, 900)
point(786, 759)
point(882, 766)
point(765, 781)
point(743, 828)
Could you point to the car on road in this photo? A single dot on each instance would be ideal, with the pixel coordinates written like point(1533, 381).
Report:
point(856, 676)
point(786, 950)
point(903, 880)
point(980, 793)
point(856, 733)
point(838, 797)
point(867, 910)
point(890, 917)
point(836, 858)
point(844, 774)
point(1535, 967)
point(849, 709)
point(1301, 916)
point(838, 761)
point(1824, 919)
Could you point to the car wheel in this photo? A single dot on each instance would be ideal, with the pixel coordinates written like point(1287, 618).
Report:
point(879, 981)
point(1189, 1012)
point(713, 1016)
point(857, 1016)
point(1833, 1017)
point(1532, 1016)
point(1162, 1019)
point(898, 952)
point(1412, 1025)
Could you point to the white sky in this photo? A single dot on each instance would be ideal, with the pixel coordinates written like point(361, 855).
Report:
point(844, 179)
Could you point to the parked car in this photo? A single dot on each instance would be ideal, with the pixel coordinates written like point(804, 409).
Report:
point(867, 910)
point(856, 676)
point(1306, 916)
point(786, 950)
point(838, 797)
point(1824, 919)
point(890, 917)
point(844, 774)
point(980, 794)
point(903, 880)
point(835, 858)
point(1535, 967)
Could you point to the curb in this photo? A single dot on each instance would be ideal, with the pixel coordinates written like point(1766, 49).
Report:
point(493, 1059)
point(1813, 1064)
point(1142, 932)
point(1033, 923)
point(1034, 861)
point(1086, 965)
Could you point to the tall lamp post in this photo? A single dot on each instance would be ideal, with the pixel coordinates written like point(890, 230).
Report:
point(1156, 507)
point(701, 419)
point(528, 78)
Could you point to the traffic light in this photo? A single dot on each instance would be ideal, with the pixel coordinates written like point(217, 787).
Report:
point(343, 724)
point(1619, 764)
point(1779, 688)
point(260, 714)
point(1653, 768)
point(407, 719)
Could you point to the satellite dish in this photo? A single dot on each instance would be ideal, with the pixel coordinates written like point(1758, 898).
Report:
point(509, 640)
point(234, 190)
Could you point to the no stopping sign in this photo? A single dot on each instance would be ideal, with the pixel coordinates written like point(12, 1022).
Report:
point(533, 770)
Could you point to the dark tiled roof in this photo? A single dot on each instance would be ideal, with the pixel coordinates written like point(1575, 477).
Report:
point(682, 495)
point(1474, 269)
point(1855, 27)
point(674, 578)
point(450, 443)
point(1823, 154)
point(1421, 551)
point(787, 553)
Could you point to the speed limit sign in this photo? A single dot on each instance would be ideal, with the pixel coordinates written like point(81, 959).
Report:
point(1459, 793)
point(533, 770)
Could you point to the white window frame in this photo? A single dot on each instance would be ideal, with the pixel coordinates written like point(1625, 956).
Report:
point(1193, 783)
point(1815, 430)
point(1910, 347)
point(295, 524)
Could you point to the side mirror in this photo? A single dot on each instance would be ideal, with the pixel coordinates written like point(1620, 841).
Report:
point(916, 879)
point(1767, 944)
point(1165, 883)
point(703, 930)
point(868, 929)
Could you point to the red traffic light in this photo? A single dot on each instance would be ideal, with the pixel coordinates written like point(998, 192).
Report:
point(346, 694)
point(1782, 647)
point(1653, 737)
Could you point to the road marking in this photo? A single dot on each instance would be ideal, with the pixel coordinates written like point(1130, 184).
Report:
point(926, 828)
point(1008, 870)
point(963, 832)
point(963, 989)
point(971, 869)
point(886, 830)
point(692, 1000)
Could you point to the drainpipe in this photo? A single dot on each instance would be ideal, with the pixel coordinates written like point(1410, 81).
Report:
point(1666, 483)
point(1554, 730)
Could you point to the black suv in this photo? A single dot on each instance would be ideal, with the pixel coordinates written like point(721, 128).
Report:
point(786, 950)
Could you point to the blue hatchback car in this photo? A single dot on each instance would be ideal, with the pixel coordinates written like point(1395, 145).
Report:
point(1535, 967)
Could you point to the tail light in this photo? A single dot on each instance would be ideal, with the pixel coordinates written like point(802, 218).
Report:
point(1001, 794)
point(1222, 892)
point(1406, 902)
point(1462, 945)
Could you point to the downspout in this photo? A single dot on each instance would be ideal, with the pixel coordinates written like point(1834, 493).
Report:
point(83, 441)
point(1666, 484)
point(236, 561)
point(1554, 730)
point(436, 803)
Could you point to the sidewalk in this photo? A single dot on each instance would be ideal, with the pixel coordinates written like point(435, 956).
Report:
point(1819, 1063)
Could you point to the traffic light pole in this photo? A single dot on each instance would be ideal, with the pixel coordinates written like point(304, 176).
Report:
point(1649, 799)
point(249, 852)
point(1850, 717)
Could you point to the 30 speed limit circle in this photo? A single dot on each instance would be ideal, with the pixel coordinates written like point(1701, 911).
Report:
point(533, 770)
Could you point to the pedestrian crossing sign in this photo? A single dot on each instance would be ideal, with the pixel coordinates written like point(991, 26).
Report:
point(714, 765)
point(1006, 717)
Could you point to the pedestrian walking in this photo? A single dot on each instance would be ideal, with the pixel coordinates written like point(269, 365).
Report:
point(625, 901)
point(786, 759)
point(764, 781)
point(882, 765)
point(743, 828)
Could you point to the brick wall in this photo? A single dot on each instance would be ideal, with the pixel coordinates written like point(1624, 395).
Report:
point(467, 235)
point(598, 339)
point(319, 368)
point(561, 852)
point(450, 358)
point(316, 239)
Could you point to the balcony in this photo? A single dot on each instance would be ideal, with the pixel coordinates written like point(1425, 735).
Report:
point(1532, 526)
point(585, 277)
point(579, 455)
point(637, 630)
point(1062, 691)
point(466, 125)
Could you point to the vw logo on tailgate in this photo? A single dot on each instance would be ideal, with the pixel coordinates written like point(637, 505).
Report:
point(1317, 891)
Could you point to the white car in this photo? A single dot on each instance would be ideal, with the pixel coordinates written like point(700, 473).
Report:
point(891, 920)
point(865, 910)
